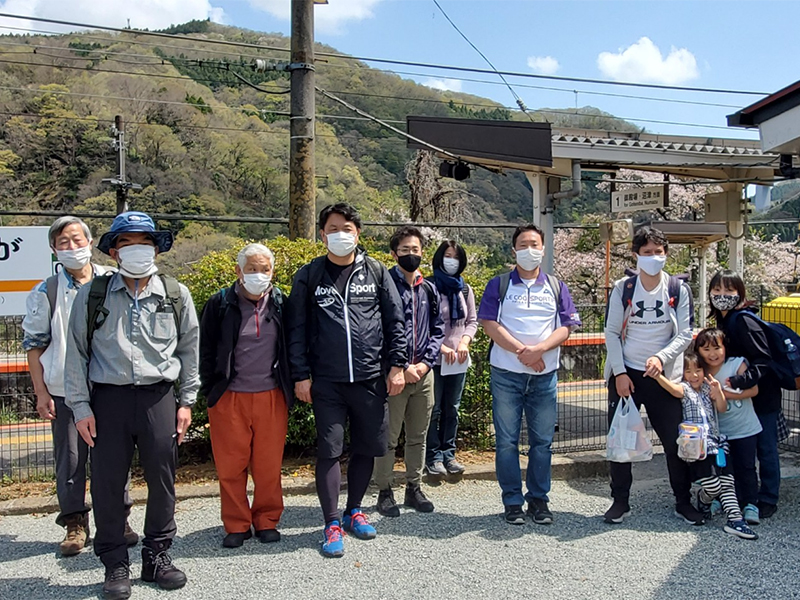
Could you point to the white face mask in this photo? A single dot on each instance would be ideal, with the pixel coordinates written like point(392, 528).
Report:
point(137, 261)
point(529, 258)
point(450, 265)
point(341, 243)
point(75, 259)
point(652, 265)
point(256, 283)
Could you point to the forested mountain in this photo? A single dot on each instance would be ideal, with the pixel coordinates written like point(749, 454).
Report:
point(202, 141)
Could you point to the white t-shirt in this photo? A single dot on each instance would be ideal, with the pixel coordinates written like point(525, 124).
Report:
point(649, 328)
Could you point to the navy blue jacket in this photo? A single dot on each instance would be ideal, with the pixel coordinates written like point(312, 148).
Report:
point(423, 320)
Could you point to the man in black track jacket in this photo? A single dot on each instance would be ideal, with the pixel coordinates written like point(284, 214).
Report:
point(346, 332)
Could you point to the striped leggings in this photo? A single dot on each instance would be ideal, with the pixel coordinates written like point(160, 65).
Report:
point(721, 487)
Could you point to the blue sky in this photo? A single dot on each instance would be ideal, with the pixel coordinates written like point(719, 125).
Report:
point(732, 45)
point(744, 45)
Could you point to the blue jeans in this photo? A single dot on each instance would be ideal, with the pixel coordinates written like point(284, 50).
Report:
point(447, 392)
point(536, 395)
point(769, 463)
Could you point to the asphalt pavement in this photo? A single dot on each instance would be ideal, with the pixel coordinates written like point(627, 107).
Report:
point(462, 550)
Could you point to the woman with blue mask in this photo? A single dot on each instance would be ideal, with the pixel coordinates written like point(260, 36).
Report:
point(460, 325)
point(746, 337)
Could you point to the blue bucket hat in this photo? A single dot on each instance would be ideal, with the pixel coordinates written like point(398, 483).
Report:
point(134, 222)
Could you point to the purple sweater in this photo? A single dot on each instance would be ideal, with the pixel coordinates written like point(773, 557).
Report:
point(257, 348)
point(466, 326)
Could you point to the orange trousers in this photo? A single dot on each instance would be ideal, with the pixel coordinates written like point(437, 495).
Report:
point(249, 431)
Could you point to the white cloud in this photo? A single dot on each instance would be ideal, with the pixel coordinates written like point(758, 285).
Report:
point(643, 62)
point(445, 85)
point(543, 65)
point(150, 14)
point(328, 18)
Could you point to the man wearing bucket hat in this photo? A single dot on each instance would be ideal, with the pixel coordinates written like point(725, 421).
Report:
point(133, 337)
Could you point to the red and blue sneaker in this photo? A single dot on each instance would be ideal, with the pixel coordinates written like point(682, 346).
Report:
point(333, 544)
point(357, 524)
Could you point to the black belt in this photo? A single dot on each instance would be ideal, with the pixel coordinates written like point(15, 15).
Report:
point(154, 387)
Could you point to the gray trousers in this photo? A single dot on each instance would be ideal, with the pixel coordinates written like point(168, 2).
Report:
point(71, 453)
point(411, 407)
point(129, 417)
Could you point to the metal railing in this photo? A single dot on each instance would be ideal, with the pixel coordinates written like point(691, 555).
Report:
point(25, 440)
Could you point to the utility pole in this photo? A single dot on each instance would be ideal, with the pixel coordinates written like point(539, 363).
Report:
point(120, 182)
point(302, 191)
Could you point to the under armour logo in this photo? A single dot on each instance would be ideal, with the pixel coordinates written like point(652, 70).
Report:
point(657, 308)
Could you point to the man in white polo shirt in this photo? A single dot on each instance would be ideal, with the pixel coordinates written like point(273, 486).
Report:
point(528, 314)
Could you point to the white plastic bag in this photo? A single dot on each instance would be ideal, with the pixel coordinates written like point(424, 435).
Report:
point(627, 437)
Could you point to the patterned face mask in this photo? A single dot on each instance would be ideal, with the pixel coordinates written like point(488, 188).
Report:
point(725, 302)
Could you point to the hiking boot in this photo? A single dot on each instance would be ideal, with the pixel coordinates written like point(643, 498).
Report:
point(617, 513)
point(751, 515)
point(689, 513)
point(386, 504)
point(514, 515)
point(436, 469)
point(416, 499)
point(766, 510)
point(540, 513)
point(117, 585)
point(131, 537)
point(235, 540)
point(77, 535)
point(740, 529)
point(157, 567)
point(268, 536)
point(357, 524)
point(454, 467)
point(333, 542)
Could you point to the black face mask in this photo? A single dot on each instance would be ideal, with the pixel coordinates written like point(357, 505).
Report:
point(409, 262)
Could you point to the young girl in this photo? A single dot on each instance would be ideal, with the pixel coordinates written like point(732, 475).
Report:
point(737, 418)
point(702, 398)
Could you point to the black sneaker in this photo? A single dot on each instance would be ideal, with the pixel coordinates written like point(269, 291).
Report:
point(690, 514)
point(540, 513)
point(386, 504)
point(514, 514)
point(617, 513)
point(268, 536)
point(416, 499)
point(117, 585)
point(766, 510)
point(157, 567)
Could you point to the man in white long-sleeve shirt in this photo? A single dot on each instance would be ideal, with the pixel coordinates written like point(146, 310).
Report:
point(649, 326)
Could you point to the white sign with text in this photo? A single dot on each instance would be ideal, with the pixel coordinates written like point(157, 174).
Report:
point(646, 198)
point(25, 260)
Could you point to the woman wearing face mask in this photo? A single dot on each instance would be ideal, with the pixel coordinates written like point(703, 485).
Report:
point(746, 337)
point(457, 307)
point(245, 379)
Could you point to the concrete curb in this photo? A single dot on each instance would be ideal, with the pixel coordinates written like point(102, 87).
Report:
point(565, 466)
point(577, 465)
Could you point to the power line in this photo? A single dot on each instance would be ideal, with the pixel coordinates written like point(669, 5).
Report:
point(328, 65)
point(398, 62)
point(536, 87)
point(520, 103)
point(430, 100)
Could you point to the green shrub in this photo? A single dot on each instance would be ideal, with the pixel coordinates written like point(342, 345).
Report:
point(216, 271)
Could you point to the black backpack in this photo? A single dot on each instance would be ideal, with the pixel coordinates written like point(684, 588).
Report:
point(785, 366)
point(96, 312)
